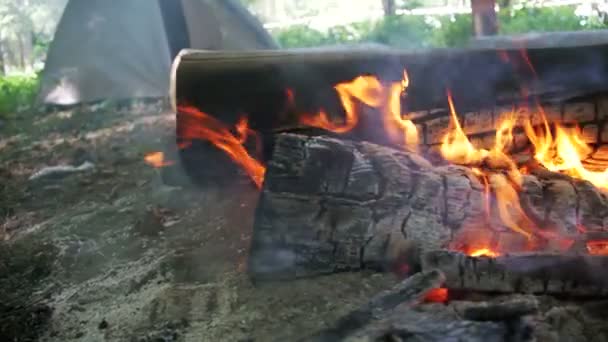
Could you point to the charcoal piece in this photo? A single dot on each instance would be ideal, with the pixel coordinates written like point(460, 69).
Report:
point(503, 311)
point(533, 273)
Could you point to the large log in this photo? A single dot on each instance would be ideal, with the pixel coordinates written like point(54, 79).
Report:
point(227, 84)
point(569, 81)
point(330, 205)
point(555, 274)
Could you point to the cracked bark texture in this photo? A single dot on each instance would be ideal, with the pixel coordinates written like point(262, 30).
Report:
point(331, 205)
point(554, 274)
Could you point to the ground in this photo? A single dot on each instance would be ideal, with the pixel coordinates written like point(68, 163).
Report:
point(113, 254)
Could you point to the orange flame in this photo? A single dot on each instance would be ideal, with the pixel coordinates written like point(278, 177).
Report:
point(597, 247)
point(563, 153)
point(457, 148)
point(371, 92)
point(438, 295)
point(199, 125)
point(487, 252)
point(157, 160)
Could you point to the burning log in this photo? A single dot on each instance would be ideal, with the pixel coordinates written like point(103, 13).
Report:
point(331, 205)
point(534, 273)
point(229, 83)
point(409, 292)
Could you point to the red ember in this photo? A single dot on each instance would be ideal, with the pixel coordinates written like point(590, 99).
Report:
point(439, 295)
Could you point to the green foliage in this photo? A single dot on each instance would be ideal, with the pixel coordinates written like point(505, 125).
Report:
point(411, 32)
point(301, 36)
point(405, 32)
point(530, 19)
point(16, 92)
point(454, 31)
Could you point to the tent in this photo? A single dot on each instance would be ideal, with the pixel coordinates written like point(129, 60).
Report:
point(123, 49)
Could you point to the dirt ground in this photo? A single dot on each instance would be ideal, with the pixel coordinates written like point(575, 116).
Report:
point(113, 254)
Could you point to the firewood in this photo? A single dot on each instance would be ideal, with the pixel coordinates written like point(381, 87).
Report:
point(330, 205)
point(228, 83)
point(410, 291)
point(411, 325)
point(503, 311)
point(533, 273)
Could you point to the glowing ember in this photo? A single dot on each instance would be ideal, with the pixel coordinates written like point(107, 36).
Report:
point(198, 125)
point(484, 252)
point(599, 247)
point(439, 295)
point(157, 160)
point(371, 92)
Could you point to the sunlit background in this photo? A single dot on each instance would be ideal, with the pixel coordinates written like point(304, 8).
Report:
point(27, 28)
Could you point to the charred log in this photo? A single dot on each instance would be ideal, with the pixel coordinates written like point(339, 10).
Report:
point(410, 291)
point(564, 275)
point(330, 205)
point(414, 325)
point(406, 318)
point(504, 311)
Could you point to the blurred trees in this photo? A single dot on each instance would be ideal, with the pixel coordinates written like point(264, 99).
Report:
point(26, 29)
point(414, 31)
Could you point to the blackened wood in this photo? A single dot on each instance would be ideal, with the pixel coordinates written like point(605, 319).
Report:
point(503, 311)
point(411, 325)
point(409, 292)
point(330, 205)
point(556, 274)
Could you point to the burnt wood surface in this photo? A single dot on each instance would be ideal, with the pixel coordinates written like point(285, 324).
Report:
point(330, 205)
point(501, 311)
point(226, 84)
point(555, 274)
point(409, 292)
point(399, 314)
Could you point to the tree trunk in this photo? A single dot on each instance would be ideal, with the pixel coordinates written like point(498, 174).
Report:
point(330, 205)
point(389, 7)
point(2, 61)
point(484, 17)
point(22, 52)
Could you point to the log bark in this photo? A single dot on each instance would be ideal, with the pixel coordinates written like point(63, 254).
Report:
point(409, 292)
point(331, 205)
point(564, 275)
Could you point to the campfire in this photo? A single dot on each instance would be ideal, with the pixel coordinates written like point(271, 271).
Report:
point(557, 152)
point(507, 200)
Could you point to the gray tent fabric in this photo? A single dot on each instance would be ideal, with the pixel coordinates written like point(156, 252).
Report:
point(109, 49)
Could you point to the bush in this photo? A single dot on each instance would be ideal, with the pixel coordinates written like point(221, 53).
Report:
point(404, 32)
point(17, 92)
point(409, 32)
point(544, 20)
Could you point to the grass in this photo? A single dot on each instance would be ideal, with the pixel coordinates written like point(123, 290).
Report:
point(17, 92)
